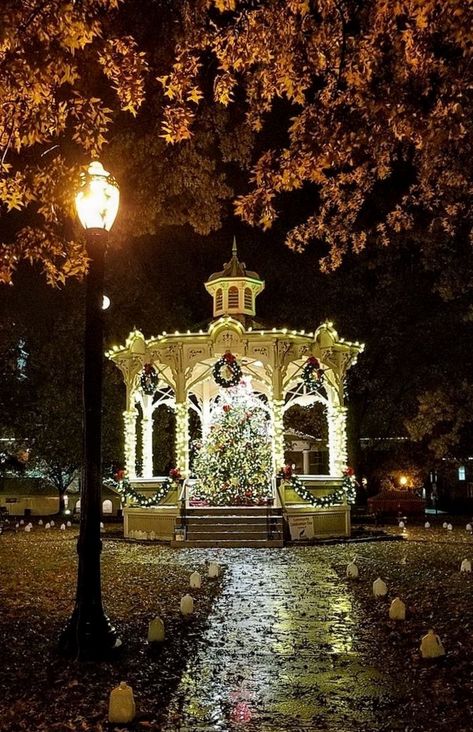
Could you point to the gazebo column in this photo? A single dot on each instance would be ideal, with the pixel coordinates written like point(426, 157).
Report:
point(205, 410)
point(337, 439)
point(306, 462)
point(277, 407)
point(129, 420)
point(278, 434)
point(182, 436)
point(182, 424)
point(147, 437)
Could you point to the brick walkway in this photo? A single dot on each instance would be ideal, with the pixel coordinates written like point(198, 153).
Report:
point(280, 652)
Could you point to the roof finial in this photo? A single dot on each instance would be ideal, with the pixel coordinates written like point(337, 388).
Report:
point(234, 247)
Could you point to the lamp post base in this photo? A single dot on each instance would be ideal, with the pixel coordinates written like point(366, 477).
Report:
point(89, 636)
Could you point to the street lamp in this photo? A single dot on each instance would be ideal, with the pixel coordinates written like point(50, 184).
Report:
point(88, 634)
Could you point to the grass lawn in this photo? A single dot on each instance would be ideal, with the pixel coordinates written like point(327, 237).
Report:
point(315, 649)
point(41, 691)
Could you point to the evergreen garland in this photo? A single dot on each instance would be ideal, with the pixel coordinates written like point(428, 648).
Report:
point(336, 497)
point(126, 490)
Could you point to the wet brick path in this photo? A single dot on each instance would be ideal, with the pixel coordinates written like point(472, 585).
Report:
point(280, 652)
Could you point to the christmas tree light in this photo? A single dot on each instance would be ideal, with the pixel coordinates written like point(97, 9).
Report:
point(233, 464)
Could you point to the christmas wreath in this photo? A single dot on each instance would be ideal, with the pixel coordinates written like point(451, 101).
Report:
point(126, 490)
point(227, 371)
point(149, 379)
point(346, 490)
point(312, 374)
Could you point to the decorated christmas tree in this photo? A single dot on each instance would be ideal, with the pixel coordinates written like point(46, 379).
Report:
point(233, 462)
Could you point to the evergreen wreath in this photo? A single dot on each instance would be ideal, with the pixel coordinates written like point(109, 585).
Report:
point(312, 374)
point(149, 379)
point(346, 490)
point(227, 363)
point(126, 490)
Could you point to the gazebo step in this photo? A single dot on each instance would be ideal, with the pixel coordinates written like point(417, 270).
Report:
point(227, 543)
point(235, 511)
point(230, 535)
point(200, 522)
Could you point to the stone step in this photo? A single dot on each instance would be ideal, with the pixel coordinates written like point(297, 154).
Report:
point(233, 511)
point(227, 543)
point(231, 535)
point(232, 520)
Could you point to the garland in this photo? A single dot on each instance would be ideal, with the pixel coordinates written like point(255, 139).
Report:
point(346, 490)
point(149, 379)
point(229, 365)
point(124, 487)
point(312, 374)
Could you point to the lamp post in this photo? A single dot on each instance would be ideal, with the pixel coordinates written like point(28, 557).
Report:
point(88, 634)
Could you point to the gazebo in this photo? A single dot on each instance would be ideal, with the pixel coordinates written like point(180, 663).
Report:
point(274, 359)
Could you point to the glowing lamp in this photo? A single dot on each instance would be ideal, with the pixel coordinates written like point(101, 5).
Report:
point(156, 631)
point(195, 580)
point(352, 570)
point(121, 708)
point(98, 198)
point(431, 646)
point(397, 610)
point(403, 481)
point(187, 605)
point(379, 588)
point(214, 569)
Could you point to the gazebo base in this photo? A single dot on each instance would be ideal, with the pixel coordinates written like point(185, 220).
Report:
point(235, 526)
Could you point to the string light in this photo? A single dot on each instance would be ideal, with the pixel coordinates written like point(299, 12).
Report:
point(345, 492)
point(126, 490)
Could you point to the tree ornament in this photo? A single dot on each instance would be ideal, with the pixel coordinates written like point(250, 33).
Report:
point(313, 375)
point(227, 371)
point(149, 379)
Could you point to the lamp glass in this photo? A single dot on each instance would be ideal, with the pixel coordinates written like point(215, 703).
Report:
point(98, 198)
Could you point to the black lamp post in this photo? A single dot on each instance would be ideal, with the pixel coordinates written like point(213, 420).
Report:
point(88, 634)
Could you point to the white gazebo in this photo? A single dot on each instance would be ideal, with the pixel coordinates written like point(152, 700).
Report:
point(273, 358)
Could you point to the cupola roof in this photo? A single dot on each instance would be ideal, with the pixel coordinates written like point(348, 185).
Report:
point(234, 268)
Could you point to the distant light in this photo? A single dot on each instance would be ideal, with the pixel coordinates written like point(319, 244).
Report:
point(105, 302)
point(403, 480)
point(67, 512)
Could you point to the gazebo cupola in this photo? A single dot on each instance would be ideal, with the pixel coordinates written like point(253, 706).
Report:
point(234, 289)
